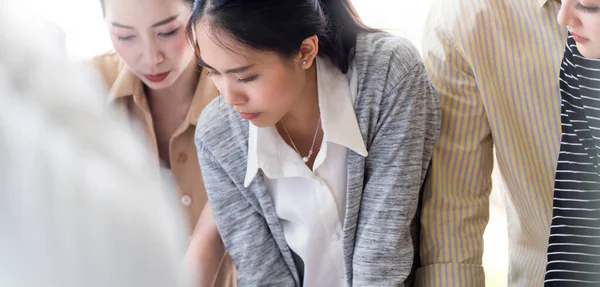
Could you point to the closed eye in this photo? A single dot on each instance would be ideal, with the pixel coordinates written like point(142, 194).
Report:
point(125, 38)
point(169, 34)
point(247, 80)
point(586, 8)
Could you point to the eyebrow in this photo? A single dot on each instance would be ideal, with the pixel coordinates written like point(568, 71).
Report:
point(230, 71)
point(159, 23)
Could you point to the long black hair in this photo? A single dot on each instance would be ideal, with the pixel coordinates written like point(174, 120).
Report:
point(281, 25)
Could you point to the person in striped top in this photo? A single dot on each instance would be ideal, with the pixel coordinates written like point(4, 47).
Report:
point(574, 244)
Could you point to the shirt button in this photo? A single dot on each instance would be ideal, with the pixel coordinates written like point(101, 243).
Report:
point(186, 200)
point(181, 157)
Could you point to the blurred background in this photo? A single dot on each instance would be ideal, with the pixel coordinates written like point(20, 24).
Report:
point(85, 36)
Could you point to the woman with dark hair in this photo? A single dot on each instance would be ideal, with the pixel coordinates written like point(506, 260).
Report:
point(313, 169)
point(153, 77)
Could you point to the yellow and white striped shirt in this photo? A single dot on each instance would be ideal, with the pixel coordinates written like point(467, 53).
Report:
point(495, 64)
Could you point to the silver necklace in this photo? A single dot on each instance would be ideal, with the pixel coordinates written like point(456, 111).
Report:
point(310, 152)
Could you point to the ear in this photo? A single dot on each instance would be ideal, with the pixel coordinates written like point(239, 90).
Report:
point(309, 48)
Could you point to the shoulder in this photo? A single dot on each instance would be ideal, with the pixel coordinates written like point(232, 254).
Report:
point(463, 22)
point(108, 66)
point(381, 44)
point(452, 11)
point(383, 60)
point(392, 83)
point(380, 49)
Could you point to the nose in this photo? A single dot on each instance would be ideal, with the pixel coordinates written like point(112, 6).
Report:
point(152, 56)
point(233, 96)
point(565, 15)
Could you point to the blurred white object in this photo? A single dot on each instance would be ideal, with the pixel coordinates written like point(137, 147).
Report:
point(80, 203)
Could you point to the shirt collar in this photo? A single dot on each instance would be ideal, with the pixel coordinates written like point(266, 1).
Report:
point(127, 84)
point(338, 121)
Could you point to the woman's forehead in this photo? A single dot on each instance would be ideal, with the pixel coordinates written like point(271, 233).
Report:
point(145, 13)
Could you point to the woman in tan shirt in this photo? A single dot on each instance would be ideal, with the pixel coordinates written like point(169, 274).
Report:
point(153, 76)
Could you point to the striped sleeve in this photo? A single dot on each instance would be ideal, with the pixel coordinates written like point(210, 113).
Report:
point(456, 197)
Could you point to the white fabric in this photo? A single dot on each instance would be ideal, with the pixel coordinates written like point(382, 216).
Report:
point(80, 200)
point(311, 204)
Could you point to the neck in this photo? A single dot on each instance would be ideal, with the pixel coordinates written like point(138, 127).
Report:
point(183, 88)
point(302, 120)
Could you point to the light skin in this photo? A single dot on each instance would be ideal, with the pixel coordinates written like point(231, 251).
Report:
point(269, 88)
point(150, 37)
point(582, 19)
point(206, 250)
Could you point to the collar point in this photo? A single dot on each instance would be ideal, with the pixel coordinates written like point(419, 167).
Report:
point(248, 181)
point(250, 175)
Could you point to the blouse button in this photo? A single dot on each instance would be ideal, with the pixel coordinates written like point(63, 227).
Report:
point(186, 200)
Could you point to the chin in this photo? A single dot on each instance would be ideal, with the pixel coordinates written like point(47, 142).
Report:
point(588, 51)
point(259, 124)
point(262, 123)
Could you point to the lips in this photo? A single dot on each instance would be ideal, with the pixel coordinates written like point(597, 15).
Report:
point(579, 39)
point(248, 116)
point(156, 78)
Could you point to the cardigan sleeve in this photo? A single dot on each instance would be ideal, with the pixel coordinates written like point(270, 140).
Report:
point(244, 231)
point(399, 154)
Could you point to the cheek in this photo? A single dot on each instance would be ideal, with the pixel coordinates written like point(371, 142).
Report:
point(278, 92)
point(128, 52)
point(178, 48)
point(595, 35)
point(266, 96)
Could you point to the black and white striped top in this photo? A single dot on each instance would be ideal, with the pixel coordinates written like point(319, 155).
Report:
point(574, 247)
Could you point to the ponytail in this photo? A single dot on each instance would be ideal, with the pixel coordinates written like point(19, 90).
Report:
point(343, 25)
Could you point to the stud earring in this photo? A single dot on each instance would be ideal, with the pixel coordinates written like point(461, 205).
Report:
point(303, 62)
